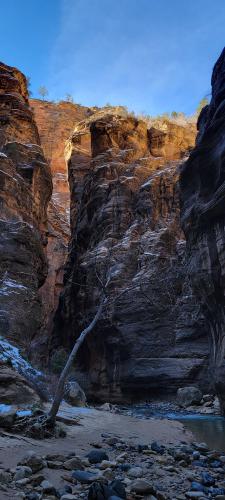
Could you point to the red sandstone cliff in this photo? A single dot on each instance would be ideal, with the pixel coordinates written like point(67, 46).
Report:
point(55, 123)
point(25, 190)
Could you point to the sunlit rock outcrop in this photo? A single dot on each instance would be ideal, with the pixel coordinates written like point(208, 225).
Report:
point(25, 190)
point(203, 203)
point(126, 232)
point(55, 123)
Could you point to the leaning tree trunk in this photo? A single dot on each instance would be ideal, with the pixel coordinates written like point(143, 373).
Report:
point(63, 377)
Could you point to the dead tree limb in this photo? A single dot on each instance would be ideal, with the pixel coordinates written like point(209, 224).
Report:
point(63, 377)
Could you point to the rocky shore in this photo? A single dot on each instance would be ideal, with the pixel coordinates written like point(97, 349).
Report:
point(111, 456)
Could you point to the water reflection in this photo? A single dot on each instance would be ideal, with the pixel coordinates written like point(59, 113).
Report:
point(205, 428)
point(211, 430)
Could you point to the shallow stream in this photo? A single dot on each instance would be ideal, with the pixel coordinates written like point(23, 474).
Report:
point(206, 428)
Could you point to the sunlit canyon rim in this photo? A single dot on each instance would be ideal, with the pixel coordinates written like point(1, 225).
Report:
point(90, 194)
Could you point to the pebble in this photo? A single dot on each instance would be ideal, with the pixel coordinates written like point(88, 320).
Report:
point(84, 476)
point(107, 464)
point(63, 491)
point(33, 496)
point(22, 472)
point(114, 498)
point(58, 457)
point(158, 448)
point(73, 463)
point(215, 464)
point(96, 445)
point(118, 488)
point(112, 441)
point(5, 477)
point(97, 456)
point(68, 496)
point(48, 487)
point(195, 486)
point(35, 462)
point(122, 457)
point(23, 482)
point(194, 494)
point(142, 487)
point(108, 474)
point(135, 472)
point(207, 479)
point(37, 479)
point(202, 447)
point(54, 465)
point(124, 467)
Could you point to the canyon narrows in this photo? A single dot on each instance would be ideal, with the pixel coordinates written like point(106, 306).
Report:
point(151, 338)
point(117, 219)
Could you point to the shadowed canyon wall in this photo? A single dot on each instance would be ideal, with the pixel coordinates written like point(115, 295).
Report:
point(203, 219)
point(126, 232)
point(25, 190)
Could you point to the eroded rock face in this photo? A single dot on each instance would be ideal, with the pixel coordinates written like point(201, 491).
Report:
point(55, 123)
point(14, 389)
point(25, 189)
point(126, 232)
point(203, 219)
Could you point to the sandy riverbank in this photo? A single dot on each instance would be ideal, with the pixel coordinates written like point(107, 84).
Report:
point(92, 424)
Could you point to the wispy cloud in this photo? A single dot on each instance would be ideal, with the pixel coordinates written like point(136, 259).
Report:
point(150, 56)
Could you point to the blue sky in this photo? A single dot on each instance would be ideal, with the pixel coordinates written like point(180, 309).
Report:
point(150, 55)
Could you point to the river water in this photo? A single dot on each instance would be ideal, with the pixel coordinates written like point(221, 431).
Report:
point(209, 429)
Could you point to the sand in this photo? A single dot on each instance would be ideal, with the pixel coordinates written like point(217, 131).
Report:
point(92, 424)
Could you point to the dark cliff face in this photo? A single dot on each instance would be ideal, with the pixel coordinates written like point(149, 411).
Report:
point(203, 219)
point(126, 231)
point(25, 189)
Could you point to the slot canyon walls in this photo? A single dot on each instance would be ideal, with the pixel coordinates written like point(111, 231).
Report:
point(203, 219)
point(125, 228)
point(120, 215)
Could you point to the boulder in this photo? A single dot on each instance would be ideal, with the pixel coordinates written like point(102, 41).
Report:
point(48, 487)
point(34, 461)
point(85, 477)
point(15, 389)
point(142, 487)
point(187, 396)
point(74, 394)
point(97, 456)
point(7, 418)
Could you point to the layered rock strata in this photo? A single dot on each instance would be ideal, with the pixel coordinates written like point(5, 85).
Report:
point(203, 219)
point(126, 233)
point(25, 190)
point(55, 123)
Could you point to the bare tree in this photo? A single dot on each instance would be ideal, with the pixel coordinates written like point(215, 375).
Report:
point(43, 91)
point(69, 98)
point(28, 79)
point(65, 372)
